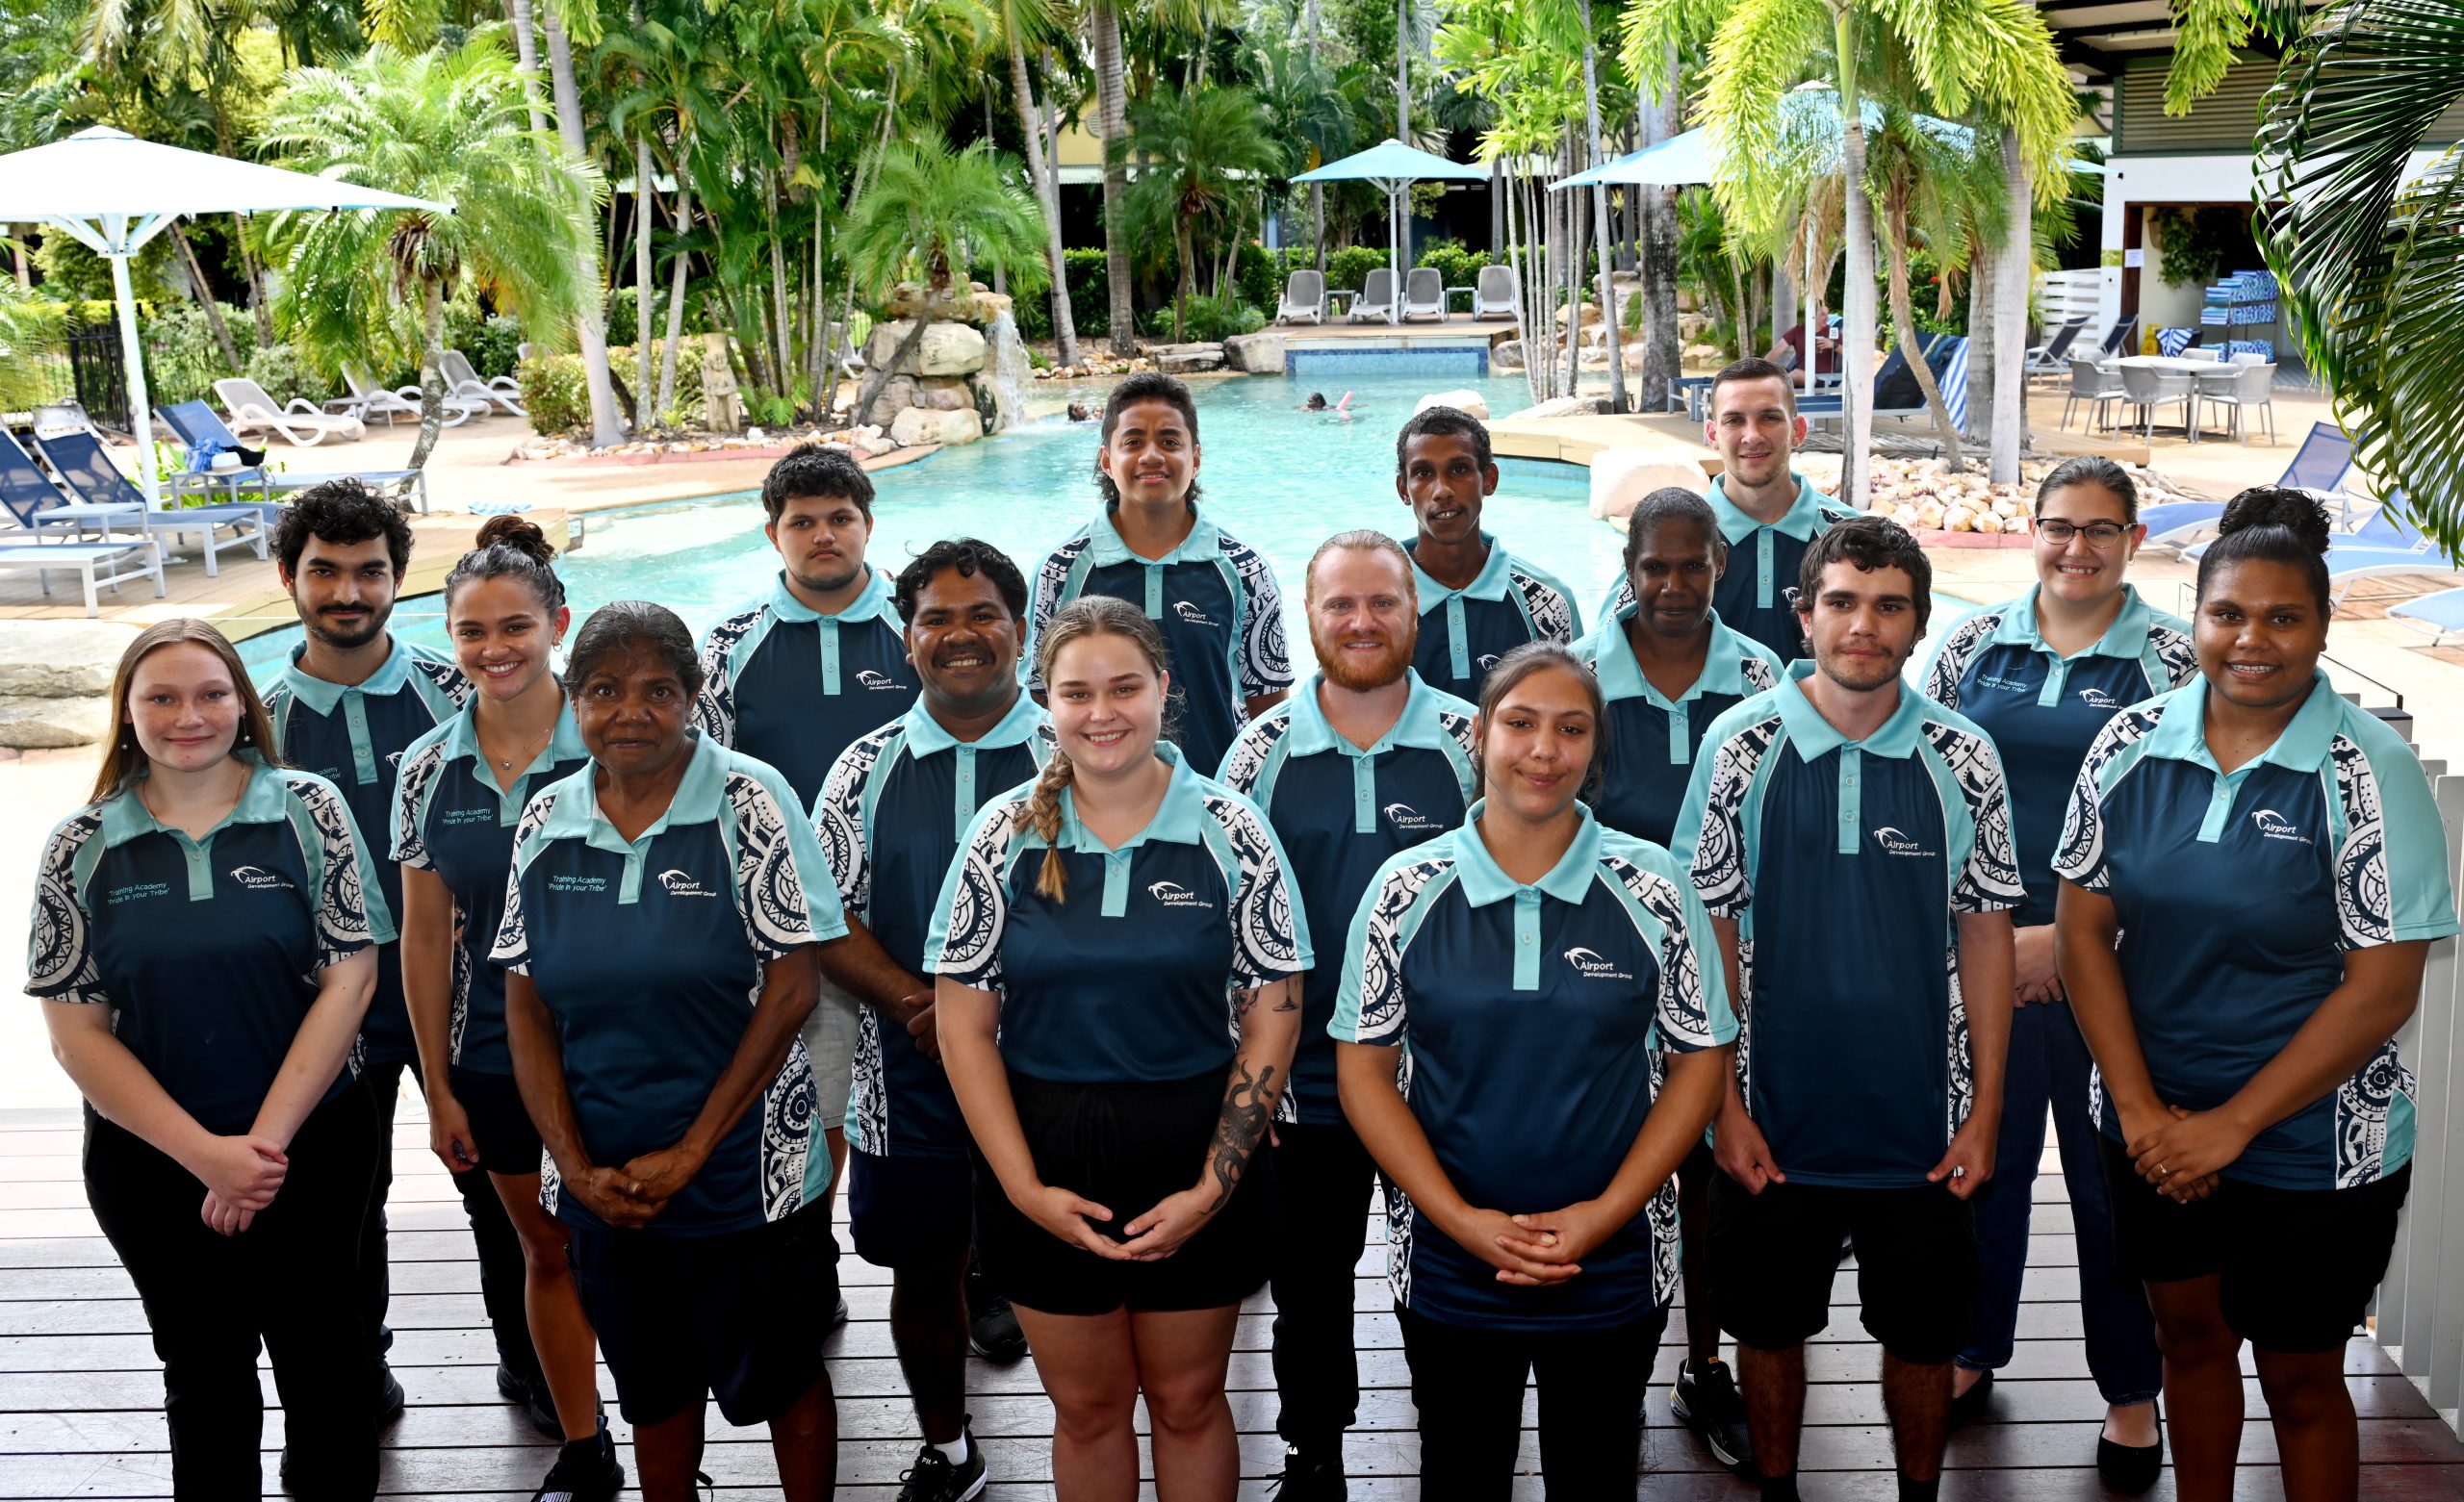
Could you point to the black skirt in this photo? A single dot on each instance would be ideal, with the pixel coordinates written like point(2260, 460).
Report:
point(1126, 1146)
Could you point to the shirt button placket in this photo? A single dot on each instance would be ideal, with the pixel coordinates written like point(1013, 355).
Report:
point(1852, 804)
point(362, 752)
point(1458, 647)
point(964, 800)
point(1526, 939)
point(1155, 590)
point(830, 656)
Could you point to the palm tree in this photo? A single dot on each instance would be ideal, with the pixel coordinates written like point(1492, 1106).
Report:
point(944, 211)
point(561, 21)
point(1207, 149)
point(1026, 23)
point(446, 126)
point(2371, 255)
point(1112, 123)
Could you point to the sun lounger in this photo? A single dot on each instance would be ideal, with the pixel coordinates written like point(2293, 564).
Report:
point(1305, 296)
point(36, 506)
point(2440, 614)
point(368, 399)
point(464, 382)
point(1376, 302)
point(79, 460)
point(2046, 359)
point(1896, 394)
point(2319, 466)
point(93, 563)
point(197, 426)
point(1494, 296)
point(1423, 294)
point(298, 424)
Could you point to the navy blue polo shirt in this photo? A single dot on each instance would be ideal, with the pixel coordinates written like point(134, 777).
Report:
point(1532, 1020)
point(649, 957)
point(1216, 602)
point(2043, 709)
point(1340, 812)
point(449, 817)
point(1465, 631)
point(1652, 738)
point(789, 686)
point(206, 949)
point(890, 821)
point(1846, 865)
point(1757, 593)
point(354, 736)
point(2239, 894)
point(1131, 976)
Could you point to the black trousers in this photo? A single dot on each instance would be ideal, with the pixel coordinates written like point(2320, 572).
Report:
point(501, 1272)
point(1468, 1385)
point(1325, 1177)
point(291, 1280)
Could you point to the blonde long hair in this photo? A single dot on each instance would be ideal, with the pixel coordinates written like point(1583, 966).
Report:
point(122, 757)
point(1089, 615)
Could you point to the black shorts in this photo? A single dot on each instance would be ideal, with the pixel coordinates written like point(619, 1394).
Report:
point(1773, 1257)
point(2296, 1267)
point(1125, 1147)
point(508, 1143)
point(740, 1315)
point(909, 1212)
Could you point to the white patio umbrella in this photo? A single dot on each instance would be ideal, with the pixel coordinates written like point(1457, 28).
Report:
point(1393, 167)
point(114, 192)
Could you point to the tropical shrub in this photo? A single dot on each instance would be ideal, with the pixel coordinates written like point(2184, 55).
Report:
point(182, 360)
point(1459, 266)
point(1208, 318)
point(557, 393)
point(286, 375)
point(494, 341)
point(1089, 299)
point(1348, 269)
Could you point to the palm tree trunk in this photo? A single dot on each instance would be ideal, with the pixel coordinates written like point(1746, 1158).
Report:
point(781, 329)
point(1065, 328)
point(1903, 317)
point(1981, 353)
point(1663, 351)
point(1181, 298)
point(644, 200)
point(1857, 334)
point(525, 50)
point(1112, 109)
point(590, 321)
point(2011, 285)
point(876, 379)
point(205, 298)
point(431, 370)
point(1600, 215)
point(260, 304)
point(676, 297)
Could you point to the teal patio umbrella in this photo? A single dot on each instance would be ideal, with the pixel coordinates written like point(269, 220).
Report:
point(1393, 167)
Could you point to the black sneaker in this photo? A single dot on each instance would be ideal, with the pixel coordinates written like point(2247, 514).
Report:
point(538, 1405)
point(390, 1397)
point(1310, 1475)
point(838, 1315)
point(993, 1326)
point(1707, 1402)
point(585, 1471)
point(934, 1479)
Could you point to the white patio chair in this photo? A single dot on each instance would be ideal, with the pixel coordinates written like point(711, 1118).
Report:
point(299, 424)
point(1376, 304)
point(1494, 296)
point(2095, 386)
point(499, 395)
point(1305, 296)
point(1423, 294)
point(368, 399)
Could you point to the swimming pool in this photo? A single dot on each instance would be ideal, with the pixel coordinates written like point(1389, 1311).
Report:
point(1280, 479)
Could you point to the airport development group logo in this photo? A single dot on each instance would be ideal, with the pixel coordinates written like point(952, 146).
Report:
point(1593, 965)
point(1171, 894)
point(2273, 826)
point(870, 678)
point(680, 884)
point(1895, 841)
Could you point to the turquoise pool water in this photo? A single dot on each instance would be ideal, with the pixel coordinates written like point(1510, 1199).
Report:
point(1280, 479)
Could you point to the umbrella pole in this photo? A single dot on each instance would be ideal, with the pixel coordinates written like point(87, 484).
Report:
point(1811, 341)
point(140, 417)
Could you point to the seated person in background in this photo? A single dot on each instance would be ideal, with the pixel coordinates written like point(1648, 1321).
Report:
point(1826, 347)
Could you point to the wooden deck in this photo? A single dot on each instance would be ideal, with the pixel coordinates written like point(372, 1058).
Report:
point(79, 1393)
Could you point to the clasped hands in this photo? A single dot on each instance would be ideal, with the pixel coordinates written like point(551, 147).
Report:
point(632, 1196)
point(2186, 1152)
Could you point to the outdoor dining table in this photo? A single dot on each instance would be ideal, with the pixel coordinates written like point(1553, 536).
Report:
point(2199, 371)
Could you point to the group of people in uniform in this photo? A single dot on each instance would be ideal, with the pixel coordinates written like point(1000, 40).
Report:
point(1116, 972)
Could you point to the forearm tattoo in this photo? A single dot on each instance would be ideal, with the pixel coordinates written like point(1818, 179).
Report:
point(1248, 1104)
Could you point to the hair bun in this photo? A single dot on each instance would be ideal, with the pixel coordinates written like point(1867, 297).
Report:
point(2297, 512)
point(520, 535)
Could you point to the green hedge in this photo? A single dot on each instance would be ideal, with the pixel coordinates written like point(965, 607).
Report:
point(1348, 269)
point(555, 392)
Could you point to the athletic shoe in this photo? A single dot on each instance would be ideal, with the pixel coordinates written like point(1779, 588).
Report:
point(993, 1326)
point(838, 1315)
point(537, 1405)
point(390, 1398)
point(1707, 1402)
point(1310, 1475)
point(934, 1479)
point(585, 1471)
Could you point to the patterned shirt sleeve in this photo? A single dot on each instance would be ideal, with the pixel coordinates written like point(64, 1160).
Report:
point(512, 946)
point(965, 943)
point(1266, 657)
point(2392, 881)
point(420, 771)
point(1959, 645)
point(714, 707)
point(780, 871)
point(1554, 618)
point(1052, 580)
point(60, 964)
point(1270, 935)
point(2079, 858)
point(839, 820)
point(1988, 882)
point(1369, 1000)
point(1712, 825)
point(1692, 1011)
point(351, 906)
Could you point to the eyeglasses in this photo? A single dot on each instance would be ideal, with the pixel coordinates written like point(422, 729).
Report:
point(2101, 534)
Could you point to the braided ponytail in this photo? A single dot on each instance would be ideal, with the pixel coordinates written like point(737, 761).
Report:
point(1042, 816)
point(1089, 615)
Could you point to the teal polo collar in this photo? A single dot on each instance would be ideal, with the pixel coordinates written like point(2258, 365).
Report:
point(2181, 734)
point(1483, 883)
point(322, 696)
point(1105, 549)
point(1418, 727)
point(926, 735)
point(1801, 520)
point(266, 799)
point(1813, 735)
point(873, 605)
point(1491, 583)
point(1176, 820)
point(2126, 638)
point(461, 741)
point(698, 799)
point(1621, 673)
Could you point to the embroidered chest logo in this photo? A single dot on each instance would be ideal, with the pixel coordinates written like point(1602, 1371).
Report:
point(566, 883)
point(1408, 820)
point(2099, 698)
point(680, 884)
point(2273, 826)
point(1895, 841)
point(137, 891)
point(1192, 613)
point(1488, 661)
point(1171, 894)
point(869, 678)
point(257, 879)
point(2004, 683)
point(1593, 965)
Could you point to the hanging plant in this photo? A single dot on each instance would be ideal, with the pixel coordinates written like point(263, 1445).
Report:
point(2202, 244)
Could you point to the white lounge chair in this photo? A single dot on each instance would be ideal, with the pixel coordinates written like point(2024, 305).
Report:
point(299, 424)
point(1494, 296)
point(368, 399)
point(1376, 302)
point(499, 395)
point(93, 563)
point(1305, 296)
point(1423, 294)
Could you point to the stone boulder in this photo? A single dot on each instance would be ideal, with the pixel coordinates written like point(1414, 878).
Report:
point(1188, 359)
point(1465, 400)
point(1507, 355)
point(1259, 354)
point(42, 723)
point(1703, 357)
point(919, 425)
point(60, 659)
point(949, 350)
point(1566, 407)
point(940, 393)
point(1621, 477)
point(884, 342)
point(897, 394)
